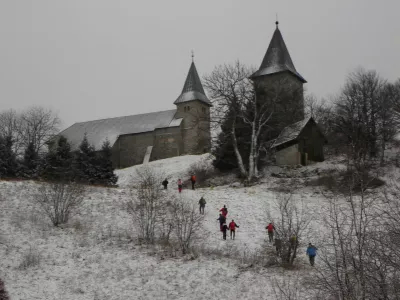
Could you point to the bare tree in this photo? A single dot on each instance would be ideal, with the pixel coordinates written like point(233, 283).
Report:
point(149, 204)
point(237, 99)
point(10, 126)
point(186, 223)
point(38, 126)
point(59, 200)
point(291, 225)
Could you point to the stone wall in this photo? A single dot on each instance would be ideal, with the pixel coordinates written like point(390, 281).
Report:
point(195, 126)
point(168, 143)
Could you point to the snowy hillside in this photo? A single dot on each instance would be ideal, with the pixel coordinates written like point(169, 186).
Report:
point(96, 257)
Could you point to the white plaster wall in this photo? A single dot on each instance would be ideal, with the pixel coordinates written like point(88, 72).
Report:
point(288, 156)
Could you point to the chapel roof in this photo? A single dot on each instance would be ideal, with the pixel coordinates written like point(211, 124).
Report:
point(192, 89)
point(291, 132)
point(98, 131)
point(277, 58)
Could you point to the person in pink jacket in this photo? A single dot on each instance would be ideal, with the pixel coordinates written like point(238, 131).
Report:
point(179, 185)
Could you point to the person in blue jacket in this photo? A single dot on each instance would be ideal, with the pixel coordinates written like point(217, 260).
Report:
point(311, 252)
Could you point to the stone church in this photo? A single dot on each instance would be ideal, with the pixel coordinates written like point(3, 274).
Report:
point(141, 138)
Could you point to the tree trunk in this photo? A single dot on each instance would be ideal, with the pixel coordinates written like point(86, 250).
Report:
point(237, 153)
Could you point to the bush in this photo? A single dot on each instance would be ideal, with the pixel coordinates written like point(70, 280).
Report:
point(149, 205)
point(59, 200)
point(203, 169)
point(3, 292)
point(30, 259)
point(186, 222)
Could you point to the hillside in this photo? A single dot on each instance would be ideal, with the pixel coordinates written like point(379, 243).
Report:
point(96, 256)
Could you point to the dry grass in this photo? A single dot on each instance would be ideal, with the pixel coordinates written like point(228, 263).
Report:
point(30, 258)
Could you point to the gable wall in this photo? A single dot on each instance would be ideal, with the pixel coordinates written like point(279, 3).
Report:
point(311, 141)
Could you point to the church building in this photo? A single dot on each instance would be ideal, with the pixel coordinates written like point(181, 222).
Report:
point(141, 138)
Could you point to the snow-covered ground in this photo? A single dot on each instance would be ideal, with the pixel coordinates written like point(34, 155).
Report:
point(94, 257)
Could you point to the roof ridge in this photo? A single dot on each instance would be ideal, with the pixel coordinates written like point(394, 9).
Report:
point(154, 112)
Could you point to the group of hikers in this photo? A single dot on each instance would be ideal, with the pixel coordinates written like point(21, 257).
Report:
point(180, 184)
point(293, 241)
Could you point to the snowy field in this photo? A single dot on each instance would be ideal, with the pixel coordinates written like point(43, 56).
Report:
point(95, 256)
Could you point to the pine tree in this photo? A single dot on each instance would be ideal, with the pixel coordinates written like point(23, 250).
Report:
point(58, 161)
point(106, 173)
point(8, 161)
point(86, 162)
point(31, 161)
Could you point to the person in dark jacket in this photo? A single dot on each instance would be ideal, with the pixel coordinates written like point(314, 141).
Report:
point(311, 252)
point(221, 220)
point(202, 203)
point(270, 228)
point(232, 227)
point(224, 229)
point(165, 183)
point(193, 180)
point(278, 246)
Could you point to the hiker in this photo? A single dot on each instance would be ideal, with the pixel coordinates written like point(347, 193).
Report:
point(278, 246)
point(221, 220)
point(193, 180)
point(224, 229)
point(311, 252)
point(202, 203)
point(179, 185)
point(224, 211)
point(270, 228)
point(232, 227)
point(165, 183)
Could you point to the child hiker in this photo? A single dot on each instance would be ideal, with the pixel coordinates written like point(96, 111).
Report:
point(232, 227)
point(179, 185)
point(165, 184)
point(224, 229)
point(221, 220)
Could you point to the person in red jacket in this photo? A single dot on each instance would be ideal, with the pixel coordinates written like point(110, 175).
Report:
point(193, 180)
point(232, 227)
point(270, 228)
point(224, 211)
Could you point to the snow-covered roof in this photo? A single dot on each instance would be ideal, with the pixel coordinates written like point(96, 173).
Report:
point(277, 58)
point(192, 89)
point(99, 130)
point(291, 132)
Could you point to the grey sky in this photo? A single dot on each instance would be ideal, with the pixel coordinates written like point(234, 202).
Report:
point(91, 59)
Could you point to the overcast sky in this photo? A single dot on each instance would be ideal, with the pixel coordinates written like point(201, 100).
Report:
point(91, 59)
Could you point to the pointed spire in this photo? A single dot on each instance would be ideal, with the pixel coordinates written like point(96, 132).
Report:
point(192, 89)
point(277, 58)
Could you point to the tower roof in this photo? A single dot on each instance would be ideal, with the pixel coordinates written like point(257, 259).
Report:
point(277, 58)
point(192, 89)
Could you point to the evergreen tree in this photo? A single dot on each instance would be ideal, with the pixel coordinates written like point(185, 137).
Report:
point(31, 161)
point(8, 161)
point(106, 171)
point(86, 162)
point(58, 161)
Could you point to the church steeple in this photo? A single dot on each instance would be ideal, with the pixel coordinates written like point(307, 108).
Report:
point(277, 58)
point(192, 89)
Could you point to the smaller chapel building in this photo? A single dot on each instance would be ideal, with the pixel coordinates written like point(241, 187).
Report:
point(137, 139)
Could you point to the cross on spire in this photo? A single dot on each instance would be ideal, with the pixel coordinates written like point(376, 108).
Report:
point(276, 22)
point(192, 56)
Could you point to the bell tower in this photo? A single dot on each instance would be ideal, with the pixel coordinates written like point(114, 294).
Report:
point(194, 107)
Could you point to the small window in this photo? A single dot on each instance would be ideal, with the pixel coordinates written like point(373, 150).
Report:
point(188, 108)
point(184, 108)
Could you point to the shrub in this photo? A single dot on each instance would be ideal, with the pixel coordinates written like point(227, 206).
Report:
point(59, 200)
point(186, 222)
point(3, 292)
point(30, 259)
point(203, 169)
